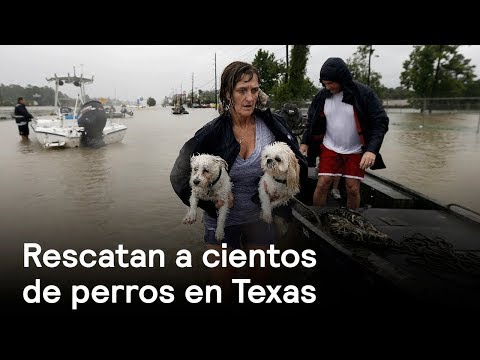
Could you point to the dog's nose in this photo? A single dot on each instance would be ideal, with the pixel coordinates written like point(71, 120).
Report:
point(269, 161)
point(196, 181)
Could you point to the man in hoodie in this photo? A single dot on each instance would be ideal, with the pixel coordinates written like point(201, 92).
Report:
point(349, 122)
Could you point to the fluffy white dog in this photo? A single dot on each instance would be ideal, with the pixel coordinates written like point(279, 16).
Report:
point(281, 175)
point(209, 180)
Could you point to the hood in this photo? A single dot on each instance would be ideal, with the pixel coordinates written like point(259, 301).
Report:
point(334, 69)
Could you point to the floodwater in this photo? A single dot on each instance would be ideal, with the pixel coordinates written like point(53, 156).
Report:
point(121, 194)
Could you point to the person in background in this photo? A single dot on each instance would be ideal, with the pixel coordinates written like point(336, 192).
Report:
point(22, 118)
point(335, 192)
point(352, 122)
point(238, 136)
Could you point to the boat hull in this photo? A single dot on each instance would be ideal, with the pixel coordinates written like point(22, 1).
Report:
point(70, 137)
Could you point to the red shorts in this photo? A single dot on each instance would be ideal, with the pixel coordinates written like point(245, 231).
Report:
point(334, 164)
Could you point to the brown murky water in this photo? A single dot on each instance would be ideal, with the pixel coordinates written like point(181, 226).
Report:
point(121, 194)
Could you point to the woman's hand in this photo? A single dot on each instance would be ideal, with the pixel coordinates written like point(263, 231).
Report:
point(304, 149)
point(219, 203)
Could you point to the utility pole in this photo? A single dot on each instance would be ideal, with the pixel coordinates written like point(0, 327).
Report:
point(370, 52)
point(192, 90)
point(216, 97)
point(286, 73)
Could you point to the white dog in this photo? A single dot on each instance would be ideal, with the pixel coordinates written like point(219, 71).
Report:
point(209, 180)
point(281, 175)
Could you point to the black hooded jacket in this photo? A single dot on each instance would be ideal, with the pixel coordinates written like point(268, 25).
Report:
point(216, 138)
point(21, 114)
point(367, 106)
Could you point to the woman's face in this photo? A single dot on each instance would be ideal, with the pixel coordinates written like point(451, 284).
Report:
point(245, 95)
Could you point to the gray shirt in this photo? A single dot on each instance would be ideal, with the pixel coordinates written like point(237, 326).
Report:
point(245, 174)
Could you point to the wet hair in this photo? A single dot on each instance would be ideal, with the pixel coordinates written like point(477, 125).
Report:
point(20, 99)
point(231, 75)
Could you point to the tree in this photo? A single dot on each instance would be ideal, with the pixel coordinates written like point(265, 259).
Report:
point(473, 89)
point(396, 93)
point(270, 70)
point(44, 96)
point(299, 87)
point(165, 101)
point(437, 71)
point(206, 96)
point(151, 101)
point(360, 67)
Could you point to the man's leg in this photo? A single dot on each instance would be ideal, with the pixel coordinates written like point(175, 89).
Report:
point(321, 191)
point(353, 193)
point(353, 176)
point(328, 168)
point(336, 182)
point(23, 131)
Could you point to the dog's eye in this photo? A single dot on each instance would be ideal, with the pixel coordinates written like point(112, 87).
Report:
point(278, 159)
point(195, 168)
point(206, 171)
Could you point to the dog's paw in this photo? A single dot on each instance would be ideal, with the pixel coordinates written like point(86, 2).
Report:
point(219, 234)
point(190, 218)
point(267, 217)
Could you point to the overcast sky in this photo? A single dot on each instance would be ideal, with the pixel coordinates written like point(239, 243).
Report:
point(133, 71)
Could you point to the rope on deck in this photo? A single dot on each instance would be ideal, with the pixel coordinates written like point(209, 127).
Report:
point(350, 225)
point(437, 254)
point(433, 254)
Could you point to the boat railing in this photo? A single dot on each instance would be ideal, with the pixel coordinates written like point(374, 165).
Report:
point(424, 202)
point(301, 204)
point(468, 210)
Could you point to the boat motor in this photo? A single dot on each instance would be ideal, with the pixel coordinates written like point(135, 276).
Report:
point(92, 118)
point(293, 116)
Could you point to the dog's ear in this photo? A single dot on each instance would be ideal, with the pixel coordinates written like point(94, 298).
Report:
point(221, 162)
point(192, 158)
point(293, 174)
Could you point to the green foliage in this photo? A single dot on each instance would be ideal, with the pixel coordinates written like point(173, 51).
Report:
point(438, 71)
point(271, 70)
point(206, 97)
point(396, 93)
point(473, 89)
point(299, 86)
point(151, 101)
point(44, 96)
point(359, 65)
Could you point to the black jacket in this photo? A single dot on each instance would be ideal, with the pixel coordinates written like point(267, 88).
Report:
point(216, 138)
point(21, 114)
point(371, 115)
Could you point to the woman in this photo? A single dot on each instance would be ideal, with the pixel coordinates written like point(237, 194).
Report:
point(238, 135)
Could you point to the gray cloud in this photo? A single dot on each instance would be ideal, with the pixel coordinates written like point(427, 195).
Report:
point(132, 71)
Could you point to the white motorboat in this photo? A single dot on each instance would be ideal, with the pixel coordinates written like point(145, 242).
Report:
point(83, 125)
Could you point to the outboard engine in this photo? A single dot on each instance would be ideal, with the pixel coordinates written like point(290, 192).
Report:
point(293, 117)
point(92, 118)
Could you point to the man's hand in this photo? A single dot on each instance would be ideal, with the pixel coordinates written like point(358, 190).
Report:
point(219, 203)
point(368, 159)
point(304, 149)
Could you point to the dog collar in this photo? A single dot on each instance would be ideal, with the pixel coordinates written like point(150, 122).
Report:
point(281, 181)
point(216, 180)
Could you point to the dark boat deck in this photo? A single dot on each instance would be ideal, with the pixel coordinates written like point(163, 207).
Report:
point(402, 216)
point(431, 223)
